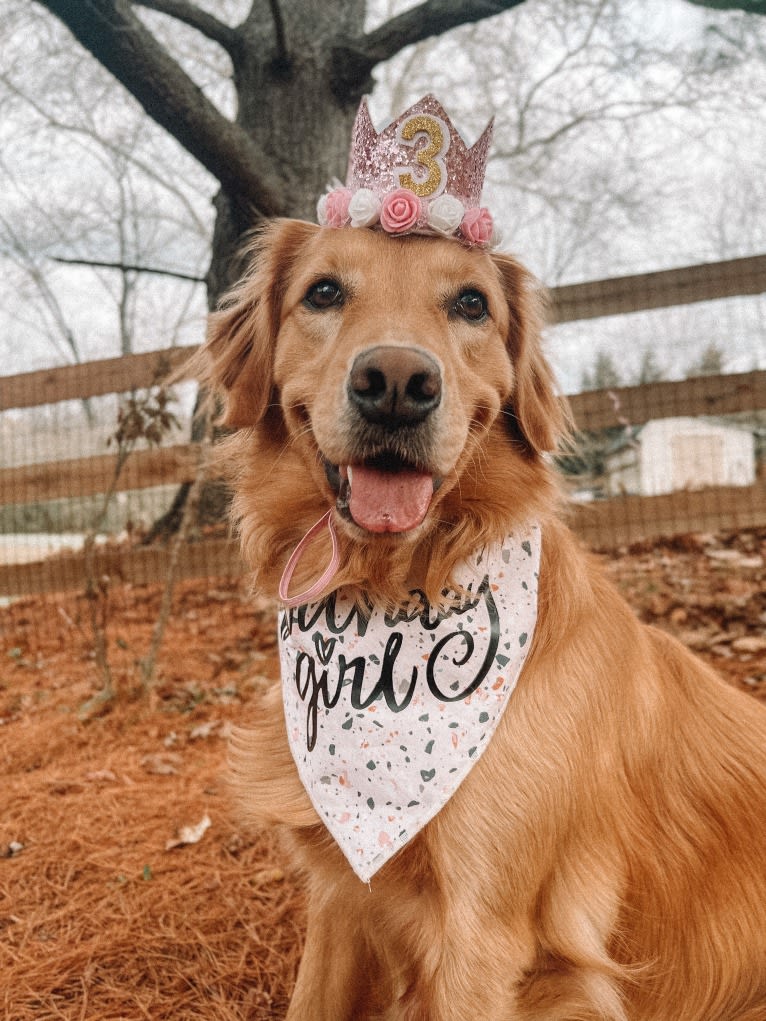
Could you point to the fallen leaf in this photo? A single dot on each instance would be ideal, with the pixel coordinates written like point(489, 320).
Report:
point(733, 558)
point(190, 834)
point(203, 729)
point(161, 765)
point(749, 643)
point(264, 876)
point(65, 786)
point(721, 650)
point(11, 849)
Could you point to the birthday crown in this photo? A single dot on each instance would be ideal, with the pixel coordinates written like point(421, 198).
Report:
point(417, 176)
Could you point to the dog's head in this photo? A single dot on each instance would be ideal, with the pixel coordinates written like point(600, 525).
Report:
point(399, 381)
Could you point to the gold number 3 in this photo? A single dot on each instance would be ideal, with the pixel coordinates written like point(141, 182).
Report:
point(429, 156)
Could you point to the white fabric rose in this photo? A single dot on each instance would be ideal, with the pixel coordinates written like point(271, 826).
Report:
point(445, 214)
point(364, 208)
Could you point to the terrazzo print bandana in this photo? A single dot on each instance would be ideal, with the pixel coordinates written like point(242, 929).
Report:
point(388, 712)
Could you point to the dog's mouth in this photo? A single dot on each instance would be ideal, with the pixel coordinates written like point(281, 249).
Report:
point(384, 493)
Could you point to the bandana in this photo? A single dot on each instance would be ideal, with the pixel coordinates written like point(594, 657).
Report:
point(387, 712)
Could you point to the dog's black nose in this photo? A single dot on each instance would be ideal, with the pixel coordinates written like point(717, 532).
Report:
point(394, 386)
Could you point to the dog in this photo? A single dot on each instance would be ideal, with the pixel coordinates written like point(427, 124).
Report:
point(603, 859)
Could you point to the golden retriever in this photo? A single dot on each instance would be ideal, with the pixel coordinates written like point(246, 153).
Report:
point(604, 858)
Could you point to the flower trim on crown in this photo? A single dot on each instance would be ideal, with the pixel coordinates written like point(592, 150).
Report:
point(401, 211)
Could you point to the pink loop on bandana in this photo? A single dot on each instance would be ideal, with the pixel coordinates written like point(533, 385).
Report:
point(329, 572)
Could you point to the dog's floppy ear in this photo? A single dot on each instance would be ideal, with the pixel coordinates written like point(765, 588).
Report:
point(237, 357)
point(537, 417)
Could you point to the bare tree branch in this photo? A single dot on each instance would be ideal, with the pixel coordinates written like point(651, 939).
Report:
point(61, 330)
point(145, 166)
point(354, 60)
point(749, 6)
point(114, 35)
point(195, 17)
point(125, 268)
point(282, 58)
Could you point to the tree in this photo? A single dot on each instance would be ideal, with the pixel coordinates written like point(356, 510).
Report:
point(649, 371)
point(709, 363)
point(603, 375)
point(298, 72)
point(298, 77)
point(607, 137)
point(749, 6)
point(87, 205)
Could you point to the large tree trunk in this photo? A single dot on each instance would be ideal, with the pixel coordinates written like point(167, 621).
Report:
point(284, 77)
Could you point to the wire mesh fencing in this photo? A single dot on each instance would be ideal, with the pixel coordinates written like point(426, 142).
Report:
point(666, 376)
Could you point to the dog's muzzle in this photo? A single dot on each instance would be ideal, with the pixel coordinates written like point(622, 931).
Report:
point(387, 486)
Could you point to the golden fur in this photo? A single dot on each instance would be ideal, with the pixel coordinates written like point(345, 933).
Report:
point(605, 857)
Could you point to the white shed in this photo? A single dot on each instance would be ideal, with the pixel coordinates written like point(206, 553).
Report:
point(680, 453)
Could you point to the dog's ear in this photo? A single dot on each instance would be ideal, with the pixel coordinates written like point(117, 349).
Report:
point(236, 360)
point(536, 415)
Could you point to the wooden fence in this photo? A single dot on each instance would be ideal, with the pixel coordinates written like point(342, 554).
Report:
point(601, 523)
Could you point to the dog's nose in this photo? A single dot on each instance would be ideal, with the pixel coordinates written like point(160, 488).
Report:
point(395, 386)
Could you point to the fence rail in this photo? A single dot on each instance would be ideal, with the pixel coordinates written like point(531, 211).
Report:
point(702, 395)
point(623, 519)
point(134, 565)
point(594, 410)
point(571, 302)
point(86, 476)
point(628, 519)
point(662, 289)
point(90, 379)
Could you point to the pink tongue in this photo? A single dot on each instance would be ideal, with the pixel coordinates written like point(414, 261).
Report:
point(389, 501)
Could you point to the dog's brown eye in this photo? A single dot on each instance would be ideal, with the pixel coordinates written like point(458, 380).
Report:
point(471, 305)
point(324, 294)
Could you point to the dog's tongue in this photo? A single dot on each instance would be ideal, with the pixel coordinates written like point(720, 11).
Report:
point(388, 501)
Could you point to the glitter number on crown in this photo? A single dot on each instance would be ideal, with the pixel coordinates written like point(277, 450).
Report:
point(416, 176)
point(430, 157)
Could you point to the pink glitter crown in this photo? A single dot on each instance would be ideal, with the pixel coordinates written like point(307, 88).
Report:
point(417, 176)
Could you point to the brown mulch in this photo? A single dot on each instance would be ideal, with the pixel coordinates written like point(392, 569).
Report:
point(101, 919)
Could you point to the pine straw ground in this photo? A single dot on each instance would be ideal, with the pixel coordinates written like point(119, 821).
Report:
point(99, 919)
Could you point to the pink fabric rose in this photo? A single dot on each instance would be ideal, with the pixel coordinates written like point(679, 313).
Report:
point(477, 226)
point(335, 211)
point(400, 211)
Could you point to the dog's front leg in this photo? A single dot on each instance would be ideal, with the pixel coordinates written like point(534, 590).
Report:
point(337, 978)
point(467, 967)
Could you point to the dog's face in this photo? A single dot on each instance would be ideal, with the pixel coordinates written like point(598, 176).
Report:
point(384, 365)
point(391, 362)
